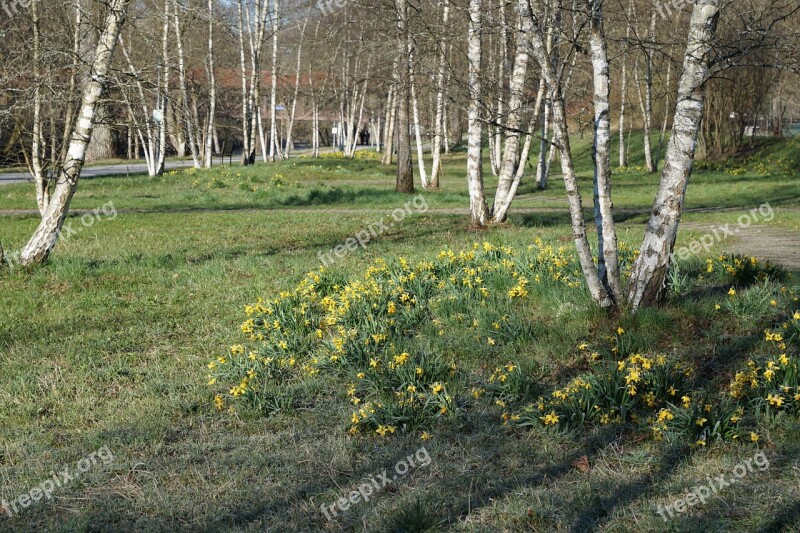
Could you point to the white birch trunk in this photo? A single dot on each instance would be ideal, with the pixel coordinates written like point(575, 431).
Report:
point(623, 159)
point(479, 210)
point(387, 139)
point(509, 163)
point(163, 96)
point(608, 261)
point(423, 175)
point(652, 266)
point(526, 147)
point(212, 91)
point(438, 126)
point(44, 238)
point(541, 165)
point(245, 99)
point(188, 120)
point(562, 141)
point(274, 145)
point(646, 99)
point(293, 113)
point(39, 178)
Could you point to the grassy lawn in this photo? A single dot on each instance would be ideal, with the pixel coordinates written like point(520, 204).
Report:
point(108, 345)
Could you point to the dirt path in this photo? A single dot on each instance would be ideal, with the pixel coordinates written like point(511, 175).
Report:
point(776, 245)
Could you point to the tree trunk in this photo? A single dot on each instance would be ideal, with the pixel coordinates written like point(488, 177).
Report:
point(163, 97)
point(650, 271)
point(39, 177)
point(293, 113)
point(245, 101)
point(102, 145)
point(388, 133)
point(417, 130)
point(274, 144)
point(46, 235)
point(562, 141)
point(212, 91)
point(479, 210)
point(646, 100)
point(526, 148)
point(438, 126)
point(543, 165)
point(508, 165)
point(623, 160)
point(608, 262)
point(405, 168)
point(188, 117)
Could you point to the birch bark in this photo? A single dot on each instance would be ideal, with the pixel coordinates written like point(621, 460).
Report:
point(561, 140)
point(405, 169)
point(508, 165)
point(655, 256)
point(479, 210)
point(188, 117)
point(608, 262)
point(436, 149)
point(44, 238)
point(212, 90)
point(275, 150)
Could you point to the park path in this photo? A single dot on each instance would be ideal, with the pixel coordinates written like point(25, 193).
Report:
point(122, 169)
point(768, 243)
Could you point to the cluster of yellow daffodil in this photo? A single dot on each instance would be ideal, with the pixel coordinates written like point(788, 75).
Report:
point(613, 392)
point(771, 381)
point(352, 327)
point(391, 336)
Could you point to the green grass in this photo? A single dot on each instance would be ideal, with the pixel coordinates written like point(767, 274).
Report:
point(106, 345)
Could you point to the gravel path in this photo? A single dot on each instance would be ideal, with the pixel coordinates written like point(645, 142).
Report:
point(776, 245)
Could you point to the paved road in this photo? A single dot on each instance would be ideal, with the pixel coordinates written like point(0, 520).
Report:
point(123, 169)
point(95, 172)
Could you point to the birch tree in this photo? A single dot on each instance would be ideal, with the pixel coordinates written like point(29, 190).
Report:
point(509, 161)
point(192, 128)
point(423, 176)
point(293, 112)
point(405, 169)
point(45, 237)
point(274, 144)
point(479, 210)
point(212, 90)
point(608, 262)
point(438, 136)
point(650, 271)
point(552, 76)
point(646, 96)
point(623, 160)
